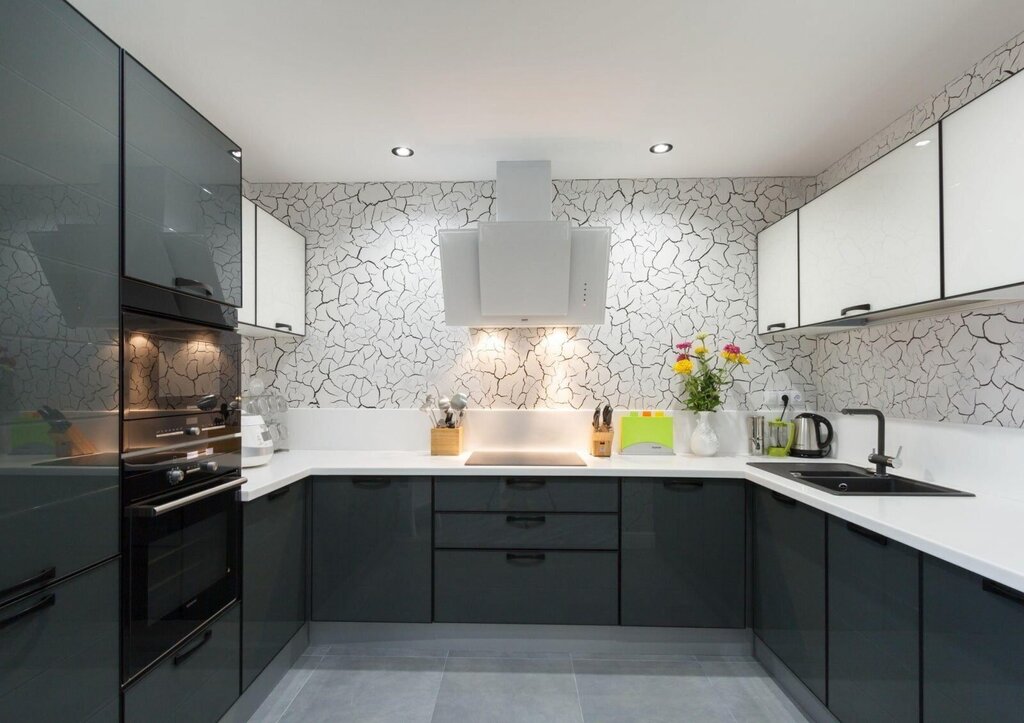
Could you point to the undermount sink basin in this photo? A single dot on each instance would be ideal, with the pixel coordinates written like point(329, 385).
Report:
point(845, 479)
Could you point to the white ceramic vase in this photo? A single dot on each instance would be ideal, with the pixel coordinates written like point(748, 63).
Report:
point(704, 440)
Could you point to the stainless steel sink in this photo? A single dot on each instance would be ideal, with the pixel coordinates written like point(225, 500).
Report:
point(845, 479)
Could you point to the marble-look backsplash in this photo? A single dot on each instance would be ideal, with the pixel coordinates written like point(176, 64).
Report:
point(967, 367)
point(683, 259)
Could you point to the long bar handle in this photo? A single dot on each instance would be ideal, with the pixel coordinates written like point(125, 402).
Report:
point(182, 283)
point(42, 576)
point(46, 602)
point(855, 307)
point(157, 510)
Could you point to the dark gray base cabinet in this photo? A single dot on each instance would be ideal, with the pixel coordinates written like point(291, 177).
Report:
point(273, 575)
point(973, 643)
point(197, 684)
point(526, 586)
point(59, 651)
point(789, 585)
point(873, 627)
point(526, 494)
point(684, 553)
point(371, 549)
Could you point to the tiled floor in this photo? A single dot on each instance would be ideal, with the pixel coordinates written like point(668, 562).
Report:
point(338, 683)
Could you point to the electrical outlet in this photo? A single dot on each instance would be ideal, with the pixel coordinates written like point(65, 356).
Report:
point(774, 398)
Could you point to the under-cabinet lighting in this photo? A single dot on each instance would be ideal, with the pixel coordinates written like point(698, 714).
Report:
point(661, 148)
point(402, 151)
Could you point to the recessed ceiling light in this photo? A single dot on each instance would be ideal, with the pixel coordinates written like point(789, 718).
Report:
point(236, 154)
point(661, 148)
point(402, 151)
point(923, 143)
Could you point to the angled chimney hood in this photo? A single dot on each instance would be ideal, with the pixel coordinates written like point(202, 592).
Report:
point(524, 269)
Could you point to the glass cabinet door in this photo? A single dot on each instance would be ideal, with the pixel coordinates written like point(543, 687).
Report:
point(182, 194)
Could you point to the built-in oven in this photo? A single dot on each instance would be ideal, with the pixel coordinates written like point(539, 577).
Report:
point(180, 473)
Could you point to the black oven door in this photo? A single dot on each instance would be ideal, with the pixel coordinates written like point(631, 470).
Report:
point(182, 566)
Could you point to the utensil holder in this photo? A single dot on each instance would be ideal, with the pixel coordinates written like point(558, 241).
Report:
point(445, 441)
point(601, 443)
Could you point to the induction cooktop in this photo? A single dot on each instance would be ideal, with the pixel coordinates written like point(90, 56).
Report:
point(525, 459)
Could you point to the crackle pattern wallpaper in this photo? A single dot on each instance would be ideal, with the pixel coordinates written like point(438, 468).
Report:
point(683, 259)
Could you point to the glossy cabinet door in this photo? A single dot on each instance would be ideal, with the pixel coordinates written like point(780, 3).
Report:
point(273, 575)
point(371, 549)
point(281, 287)
point(873, 626)
point(789, 585)
point(59, 651)
point(182, 194)
point(777, 281)
point(872, 242)
point(59, 312)
point(982, 154)
point(247, 314)
point(197, 683)
point(683, 552)
point(973, 645)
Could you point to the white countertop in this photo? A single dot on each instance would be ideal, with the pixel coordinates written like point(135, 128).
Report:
point(982, 534)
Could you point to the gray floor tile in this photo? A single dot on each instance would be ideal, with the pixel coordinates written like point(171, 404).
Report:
point(538, 690)
point(749, 692)
point(638, 656)
point(271, 710)
point(653, 691)
point(368, 690)
point(507, 654)
point(386, 651)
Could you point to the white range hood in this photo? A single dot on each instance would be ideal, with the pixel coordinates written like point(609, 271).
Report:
point(524, 269)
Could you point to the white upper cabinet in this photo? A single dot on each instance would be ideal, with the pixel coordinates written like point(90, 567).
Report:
point(983, 191)
point(280, 276)
point(777, 265)
point(873, 243)
point(247, 314)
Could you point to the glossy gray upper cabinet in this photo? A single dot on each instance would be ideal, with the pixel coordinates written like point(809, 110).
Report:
point(59, 651)
point(789, 585)
point(982, 154)
point(778, 264)
point(873, 627)
point(972, 641)
point(683, 552)
point(182, 194)
point(274, 575)
point(872, 242)
point(59, 313)
point(371, 548)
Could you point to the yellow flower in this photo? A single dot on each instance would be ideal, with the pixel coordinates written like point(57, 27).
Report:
point(700, 350)
point(683, 366)
point(701, 336)
point(742, 359)
point(730, 357)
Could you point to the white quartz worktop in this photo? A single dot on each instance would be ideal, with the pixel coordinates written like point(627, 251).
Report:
point(984, 534)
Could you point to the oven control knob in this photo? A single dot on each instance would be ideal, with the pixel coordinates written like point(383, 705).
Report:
point(193, 431)
point(174, 476)
point(208, 466)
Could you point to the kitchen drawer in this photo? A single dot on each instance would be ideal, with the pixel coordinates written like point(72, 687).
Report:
point(567, 588)
point(59, 651)
point(531, 530)
point(198, 683)
point(55, 523)
point(526, 493)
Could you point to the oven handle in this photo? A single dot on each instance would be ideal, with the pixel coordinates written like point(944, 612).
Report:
point(157, 510)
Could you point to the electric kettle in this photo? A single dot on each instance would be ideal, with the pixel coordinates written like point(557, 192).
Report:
point(807, 436)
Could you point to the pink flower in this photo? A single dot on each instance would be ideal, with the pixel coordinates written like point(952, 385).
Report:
point(684, 345)
point(682, 356)
point(731, 349)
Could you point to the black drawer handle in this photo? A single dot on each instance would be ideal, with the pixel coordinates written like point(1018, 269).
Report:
point(520, 558)
point(183, 283)
point(279, 325)
point(46, 602)
point(373, 483)
point(526, 483)
point(869, 534)
point(675, 484)
point(525, 520)
point(788, 501)
point(278, 493)
point(997, 588)
point(780, 325)
point(42, 576)
point(183, 656)
point(855, 307)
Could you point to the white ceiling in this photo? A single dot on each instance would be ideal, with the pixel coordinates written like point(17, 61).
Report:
point(320, 90)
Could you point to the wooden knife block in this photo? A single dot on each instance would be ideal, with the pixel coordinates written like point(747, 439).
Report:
point(601, 443)
point(445, 441)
